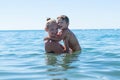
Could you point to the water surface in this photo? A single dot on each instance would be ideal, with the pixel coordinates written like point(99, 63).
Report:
point(22, 56)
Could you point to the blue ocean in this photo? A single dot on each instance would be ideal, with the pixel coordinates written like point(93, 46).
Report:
point(22, 56)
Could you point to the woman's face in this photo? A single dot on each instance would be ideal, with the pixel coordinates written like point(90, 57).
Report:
point(53, 30)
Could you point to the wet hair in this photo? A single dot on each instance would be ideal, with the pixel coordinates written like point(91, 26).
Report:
point(49, 22)
point(63, 17)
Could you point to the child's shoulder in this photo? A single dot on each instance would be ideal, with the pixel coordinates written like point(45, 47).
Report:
point(68, 31)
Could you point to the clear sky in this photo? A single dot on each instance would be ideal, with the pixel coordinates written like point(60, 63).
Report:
point(83, 14)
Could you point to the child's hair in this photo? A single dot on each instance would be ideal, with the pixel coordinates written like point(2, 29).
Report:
point(63, 17)
point(49, 22)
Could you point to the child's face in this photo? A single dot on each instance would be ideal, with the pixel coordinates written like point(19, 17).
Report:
point(62, 24)
point(52, 30)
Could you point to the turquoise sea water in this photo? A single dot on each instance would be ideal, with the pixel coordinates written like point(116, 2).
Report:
point(22, 57)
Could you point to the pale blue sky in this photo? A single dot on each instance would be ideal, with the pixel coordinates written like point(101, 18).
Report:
point(83, 14)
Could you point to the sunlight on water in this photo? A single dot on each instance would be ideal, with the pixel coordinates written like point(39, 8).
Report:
point(22, 56)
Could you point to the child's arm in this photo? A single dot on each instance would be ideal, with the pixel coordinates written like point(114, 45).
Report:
point(58, 37)
point(53, 38)
point(66, 46)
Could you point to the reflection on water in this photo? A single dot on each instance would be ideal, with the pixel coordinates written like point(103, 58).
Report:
point(60, 64)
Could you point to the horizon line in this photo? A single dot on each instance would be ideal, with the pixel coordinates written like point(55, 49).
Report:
point(70, 29)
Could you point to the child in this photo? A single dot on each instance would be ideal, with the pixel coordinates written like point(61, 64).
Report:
point(70, 40)
point(52, 46)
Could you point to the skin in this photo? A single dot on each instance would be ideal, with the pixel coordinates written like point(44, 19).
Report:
point(70, 40)
point(52, 46)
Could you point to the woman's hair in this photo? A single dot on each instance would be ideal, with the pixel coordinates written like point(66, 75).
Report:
point(48, 19)
point(63, 17)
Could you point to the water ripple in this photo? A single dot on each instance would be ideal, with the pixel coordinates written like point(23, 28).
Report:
point(22, 56)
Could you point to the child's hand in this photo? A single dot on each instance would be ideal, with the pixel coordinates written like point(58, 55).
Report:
point(69, 51)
